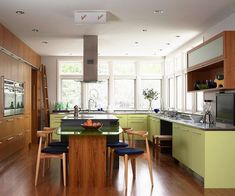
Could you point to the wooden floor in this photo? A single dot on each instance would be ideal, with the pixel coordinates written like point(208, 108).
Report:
point(170, 179)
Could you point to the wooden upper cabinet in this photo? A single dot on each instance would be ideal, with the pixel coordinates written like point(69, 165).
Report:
point(213, 57)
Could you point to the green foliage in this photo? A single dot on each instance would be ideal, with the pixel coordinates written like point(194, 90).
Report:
point(150, 94)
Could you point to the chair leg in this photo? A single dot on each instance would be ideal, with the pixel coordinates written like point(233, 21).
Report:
point(150, 169)
point(111, 162)
point(157, 147)
point(37, 170)
point(153, 146)
point(43, 167)
point(126, 170)
point(133, 166)
point(64, 168)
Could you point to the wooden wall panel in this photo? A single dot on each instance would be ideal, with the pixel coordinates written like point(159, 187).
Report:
point(13, 44)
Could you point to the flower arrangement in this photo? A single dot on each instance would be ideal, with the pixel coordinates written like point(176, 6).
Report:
point(150, 95)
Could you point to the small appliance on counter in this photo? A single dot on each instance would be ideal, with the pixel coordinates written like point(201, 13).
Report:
point(208, 117)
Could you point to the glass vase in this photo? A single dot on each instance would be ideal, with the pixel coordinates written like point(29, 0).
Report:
point(150, 106)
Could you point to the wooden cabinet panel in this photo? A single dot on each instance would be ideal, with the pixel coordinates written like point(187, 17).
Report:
point(1, 35)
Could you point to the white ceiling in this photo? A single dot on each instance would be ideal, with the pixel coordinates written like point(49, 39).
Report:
point(126, 19)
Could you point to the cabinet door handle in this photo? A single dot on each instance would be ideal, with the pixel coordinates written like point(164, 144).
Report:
point(137, 122)
point(0, 143)
point(9, 120)
point(20, 134)
point(10, 138)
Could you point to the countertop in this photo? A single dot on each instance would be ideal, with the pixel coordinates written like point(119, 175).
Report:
point(203, 126)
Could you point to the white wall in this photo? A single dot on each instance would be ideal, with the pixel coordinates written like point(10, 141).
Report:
point(51, 68)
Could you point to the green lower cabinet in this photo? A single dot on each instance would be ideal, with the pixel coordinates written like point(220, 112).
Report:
point(153, 127)
point(122, 120)
point(189, 147)
point(55, 122)
point(197, 151)
point(137, 122)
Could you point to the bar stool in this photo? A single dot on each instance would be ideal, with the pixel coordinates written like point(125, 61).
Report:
point(158, 144)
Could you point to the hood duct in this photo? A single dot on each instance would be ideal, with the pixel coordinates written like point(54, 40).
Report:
point(90, 58)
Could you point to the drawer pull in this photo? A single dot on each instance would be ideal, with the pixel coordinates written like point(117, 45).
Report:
point(10, 138)
point(0, 143)
point(9, 120)
point(20, 134)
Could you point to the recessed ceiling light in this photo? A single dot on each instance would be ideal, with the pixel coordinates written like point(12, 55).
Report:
point(160, 49)
point(35, 30)
point(158, 12)
point(136, 42)
point(177, 36)
point(168, 44)
point(144, 30)
point(126, 54)
point(20, 12)
point(45, 42)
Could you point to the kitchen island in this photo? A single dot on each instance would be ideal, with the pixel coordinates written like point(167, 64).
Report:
point(87, 148)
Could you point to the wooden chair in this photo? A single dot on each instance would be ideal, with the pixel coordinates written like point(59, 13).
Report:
point(45, 151)
point(54, 143)
point(112, 146)
point(132, 153)
point(158, 143)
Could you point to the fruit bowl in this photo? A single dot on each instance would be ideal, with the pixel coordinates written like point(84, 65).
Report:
point(97, 126)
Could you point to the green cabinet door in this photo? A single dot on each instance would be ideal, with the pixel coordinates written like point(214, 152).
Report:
point(181, 144)
point(189, 147)
point(197, 151)
point(55, 122)
point(154, 127)
point(137, 122)
point(122, 120)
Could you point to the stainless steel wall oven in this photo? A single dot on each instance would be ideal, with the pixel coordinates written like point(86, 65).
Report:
point(13, 97)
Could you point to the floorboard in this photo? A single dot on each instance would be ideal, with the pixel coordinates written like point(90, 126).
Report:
point(170, 179)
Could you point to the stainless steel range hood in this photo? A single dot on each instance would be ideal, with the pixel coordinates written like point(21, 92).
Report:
point(90, 58)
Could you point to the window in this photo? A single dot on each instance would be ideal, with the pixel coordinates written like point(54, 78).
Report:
point(124, 68)
point(179, 92)
point(200, 101)
point(71, 92)
point(124, 94)
point(189, 105)
point(156, 86)
point(98, 92)
point(103, 68)
point(150, 69)
point(171, 93)
point(70, 67)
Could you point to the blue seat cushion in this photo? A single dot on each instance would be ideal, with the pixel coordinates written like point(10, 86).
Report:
point(63, 144)
point(117, 145)
point(54, 150)
point(128, 151)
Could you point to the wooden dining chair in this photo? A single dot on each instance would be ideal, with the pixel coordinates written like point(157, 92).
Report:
point(131, 153)
point(54, 143)
point(45, 152)
point(112, 146)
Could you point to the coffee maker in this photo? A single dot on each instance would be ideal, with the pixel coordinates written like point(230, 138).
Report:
point(208, 117)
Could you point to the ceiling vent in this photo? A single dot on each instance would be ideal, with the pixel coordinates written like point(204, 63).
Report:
point(90, 58)
point(90, 17)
